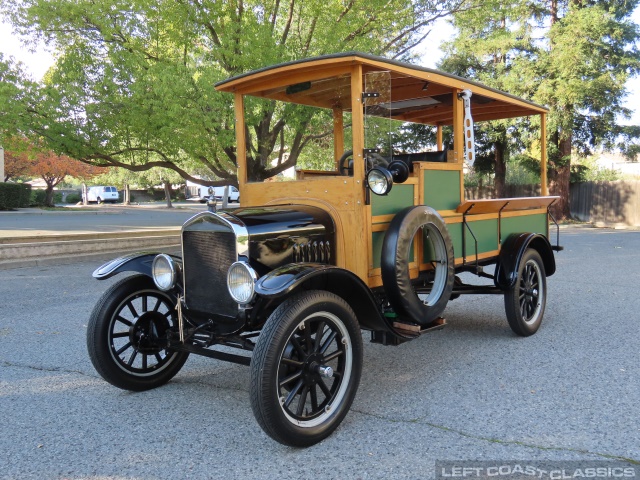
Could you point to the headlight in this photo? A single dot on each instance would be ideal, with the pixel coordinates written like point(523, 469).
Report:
point(240, 282)
point(164, 272)
point(379, 180)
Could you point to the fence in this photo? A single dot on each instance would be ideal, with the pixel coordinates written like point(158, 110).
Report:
point(611, 204)
point(607, 204)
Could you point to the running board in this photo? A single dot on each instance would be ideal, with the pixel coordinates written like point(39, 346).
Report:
point(417, 330)
point(406, 332)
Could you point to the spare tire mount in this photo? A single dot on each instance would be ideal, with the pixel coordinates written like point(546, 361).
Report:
point(396, 250)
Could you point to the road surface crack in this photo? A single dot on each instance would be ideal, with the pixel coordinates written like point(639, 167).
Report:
point(4, 363)
point(462, 433)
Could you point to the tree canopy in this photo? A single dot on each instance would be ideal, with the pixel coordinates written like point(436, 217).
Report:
point(574, 56)
point(133, 83)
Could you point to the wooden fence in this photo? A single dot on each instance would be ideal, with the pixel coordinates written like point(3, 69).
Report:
point(610, 204)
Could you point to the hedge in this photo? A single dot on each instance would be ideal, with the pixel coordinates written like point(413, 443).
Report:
point(14, 195)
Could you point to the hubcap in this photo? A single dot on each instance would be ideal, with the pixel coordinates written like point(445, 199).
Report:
point(137, 328)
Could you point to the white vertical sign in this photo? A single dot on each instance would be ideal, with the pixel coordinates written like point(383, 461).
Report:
point(469, 141)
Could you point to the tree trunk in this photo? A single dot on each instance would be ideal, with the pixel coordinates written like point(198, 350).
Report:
point(500, 169)
point(84, 194)
point(48, 198)
point(127, 195)
point(559, 180)
point(167, 193)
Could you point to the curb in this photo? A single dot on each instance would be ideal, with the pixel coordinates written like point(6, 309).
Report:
point(38, 253)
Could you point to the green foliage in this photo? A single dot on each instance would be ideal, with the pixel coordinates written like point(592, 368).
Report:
point(14, 195)
point(133, 85)
point(74, 198)
point(574, 57)
point(588, 170)
point(38, 198)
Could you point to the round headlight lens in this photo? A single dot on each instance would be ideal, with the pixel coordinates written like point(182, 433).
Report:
point(379, 180)
point(240, 282)
point(164, 272)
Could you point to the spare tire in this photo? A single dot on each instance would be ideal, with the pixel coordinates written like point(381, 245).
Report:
point(425, 307)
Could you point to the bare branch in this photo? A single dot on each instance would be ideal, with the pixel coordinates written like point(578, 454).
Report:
point(285, 34)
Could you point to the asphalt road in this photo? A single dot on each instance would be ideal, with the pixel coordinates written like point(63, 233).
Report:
point(473, 391)
point(101, 218)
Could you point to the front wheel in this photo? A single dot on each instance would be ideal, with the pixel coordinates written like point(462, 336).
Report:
point(125, 335)
point(525, 301)
point(306, 368)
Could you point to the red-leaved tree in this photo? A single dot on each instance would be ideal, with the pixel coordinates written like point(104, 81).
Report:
point(52, 168)
point(28, 160)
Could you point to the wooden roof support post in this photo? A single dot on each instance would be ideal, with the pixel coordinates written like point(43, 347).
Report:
point(357, 122)
point(338, 136)
point(544, 189)
point(439, 137)
point(458, 127)
point(241, 141)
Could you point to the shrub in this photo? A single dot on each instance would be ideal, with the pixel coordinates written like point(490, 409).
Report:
point(57, 197)
point(73, 198)
point(13, 195)
point(37, 198)
point(25, 194)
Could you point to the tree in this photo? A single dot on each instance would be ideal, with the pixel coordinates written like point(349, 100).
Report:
point(133, 85)
point(49, 166)
point(574, 56)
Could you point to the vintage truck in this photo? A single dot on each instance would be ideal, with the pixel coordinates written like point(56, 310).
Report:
point(372, 239)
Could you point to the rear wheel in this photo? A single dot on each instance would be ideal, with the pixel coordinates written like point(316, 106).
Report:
point(525, 301)
point(306, 368)
point(126, 333)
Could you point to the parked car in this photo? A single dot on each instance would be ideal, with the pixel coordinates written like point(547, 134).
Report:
point(101, 194)
point(376, 240)
point(205, 193)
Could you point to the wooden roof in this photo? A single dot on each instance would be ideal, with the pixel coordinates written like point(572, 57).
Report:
point(418, 94)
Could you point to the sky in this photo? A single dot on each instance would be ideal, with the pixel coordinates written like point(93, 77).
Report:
point(38, 62)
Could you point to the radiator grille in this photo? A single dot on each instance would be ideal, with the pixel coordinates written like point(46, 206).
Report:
point(206, 261)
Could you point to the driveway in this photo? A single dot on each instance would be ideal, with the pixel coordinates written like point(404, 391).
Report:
point(472, 391)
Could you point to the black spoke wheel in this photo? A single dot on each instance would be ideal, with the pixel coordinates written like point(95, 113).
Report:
point(525, 301)
point(126, 335)
point(306, 368)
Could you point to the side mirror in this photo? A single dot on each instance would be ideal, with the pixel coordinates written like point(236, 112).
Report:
point(380, 179)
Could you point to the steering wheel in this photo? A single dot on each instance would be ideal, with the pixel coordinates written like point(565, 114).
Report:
point(376, 160)
point(345, 166)
point(373, 160)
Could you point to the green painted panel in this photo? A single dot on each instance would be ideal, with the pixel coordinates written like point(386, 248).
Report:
point(536, 223)
point(486, 232)
point(376, 247)
point(377, 238)
point(399, 197)
point(455, 232)
point(442, 189)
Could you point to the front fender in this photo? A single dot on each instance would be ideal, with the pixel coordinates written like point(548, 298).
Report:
point(511, 253)
point(139, 262)
point(284, 281)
